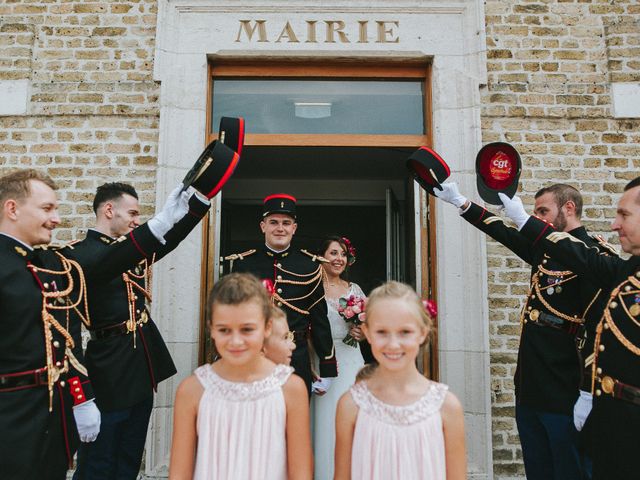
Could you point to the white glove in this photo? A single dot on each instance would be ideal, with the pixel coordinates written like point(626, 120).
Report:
point(581, 409)
point(321, 386)
point(87, 418)
point(514, 210)
point(176, 207)
point(450, 194)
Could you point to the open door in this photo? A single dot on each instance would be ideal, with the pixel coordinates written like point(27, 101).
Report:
point(395, 238)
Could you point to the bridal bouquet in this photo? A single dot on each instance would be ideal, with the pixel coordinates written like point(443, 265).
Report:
point(351, 309)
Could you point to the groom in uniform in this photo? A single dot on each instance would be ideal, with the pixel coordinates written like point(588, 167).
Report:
point(296, 277)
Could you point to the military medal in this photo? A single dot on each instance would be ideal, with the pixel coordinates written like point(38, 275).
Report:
point(534, 314)
point(634, 309)
point(550, 291)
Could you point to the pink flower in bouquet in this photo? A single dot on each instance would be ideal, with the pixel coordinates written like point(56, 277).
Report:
point(351, 308)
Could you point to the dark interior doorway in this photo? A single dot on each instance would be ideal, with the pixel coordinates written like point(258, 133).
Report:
point(340, 190)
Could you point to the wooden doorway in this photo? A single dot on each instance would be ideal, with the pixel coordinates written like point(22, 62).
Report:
point(418, 204)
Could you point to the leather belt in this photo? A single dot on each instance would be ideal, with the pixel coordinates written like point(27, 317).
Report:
point(118, 329)
point(549, 320)
point(300, 335)
point(27, 379)
point(619, 390)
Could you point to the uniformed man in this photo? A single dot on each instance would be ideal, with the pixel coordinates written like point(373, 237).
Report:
point(44, 390)
point(550, 365)
point(296, 276)
point(616, 369)
point(126, 356)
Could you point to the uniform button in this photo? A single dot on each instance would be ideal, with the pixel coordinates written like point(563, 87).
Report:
point(58, 364)
point(606, 326)
point(613, 305)
point(137, 311)
point(135, 297)
point(533, 296)
point(637, 273)
point(79, 397)
point(279, 277)
point(598, 392)
point(529, 308)
point(279, 304)
point(45, 285)
point(279, 265)
point(62, 383)
point(76, 390)
point(599, 370)
point(601, 348)
point(279, 290)
point(544, 261)
point(75, 382)
point(627, 288)
point(525, 320)
point(56, 343)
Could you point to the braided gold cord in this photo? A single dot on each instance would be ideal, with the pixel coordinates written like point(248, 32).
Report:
point(555, 273)
point(564, 316)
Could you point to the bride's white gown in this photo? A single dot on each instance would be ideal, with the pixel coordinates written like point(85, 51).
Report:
point(324, 408)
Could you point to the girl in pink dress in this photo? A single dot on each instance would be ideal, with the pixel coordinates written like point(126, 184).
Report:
point(242, 417)
point(395, 423)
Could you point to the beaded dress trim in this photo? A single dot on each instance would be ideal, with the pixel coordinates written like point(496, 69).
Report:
point(242, 391)
point(415, 412)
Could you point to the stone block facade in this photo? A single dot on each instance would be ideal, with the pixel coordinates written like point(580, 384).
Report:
point(550, 68)
point(93, 116)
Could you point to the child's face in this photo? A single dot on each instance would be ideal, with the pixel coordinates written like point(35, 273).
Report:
point(238, 331)
point(279, 346)
point(395, 334)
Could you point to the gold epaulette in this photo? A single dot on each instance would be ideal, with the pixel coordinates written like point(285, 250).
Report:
point(609, 248)
point(314, 257)
point(240, 256)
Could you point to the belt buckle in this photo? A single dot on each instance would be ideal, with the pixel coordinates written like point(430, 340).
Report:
point(607, 383)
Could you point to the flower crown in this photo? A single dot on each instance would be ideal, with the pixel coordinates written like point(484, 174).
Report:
point(351, 251)
point(431, 307)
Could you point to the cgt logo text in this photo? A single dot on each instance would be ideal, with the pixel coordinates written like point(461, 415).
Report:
point(319, 31)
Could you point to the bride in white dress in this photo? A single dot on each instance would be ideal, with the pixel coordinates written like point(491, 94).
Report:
point(340, 254)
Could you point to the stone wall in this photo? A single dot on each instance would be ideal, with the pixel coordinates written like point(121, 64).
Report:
point(92, 105)
point(550, 68)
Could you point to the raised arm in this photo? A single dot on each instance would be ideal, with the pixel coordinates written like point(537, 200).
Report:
point(486, 222)
point(602, 270)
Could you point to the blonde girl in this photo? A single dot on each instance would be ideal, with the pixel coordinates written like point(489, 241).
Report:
point(395, 423)
point(242, 416)
point(279, 346)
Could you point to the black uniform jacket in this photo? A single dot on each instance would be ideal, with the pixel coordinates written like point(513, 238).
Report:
point(616, 421)
point(39, 443)
point(550, 367)
point(297, 279)
point(125, 369)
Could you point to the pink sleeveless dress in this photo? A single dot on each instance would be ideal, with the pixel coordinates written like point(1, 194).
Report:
point(398, 442)
point(241, 427)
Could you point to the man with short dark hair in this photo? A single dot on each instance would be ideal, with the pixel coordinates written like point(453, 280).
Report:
point(616, 368)
point(296, 277)
point(126, 357)
point(45, 395)
point(549, 368)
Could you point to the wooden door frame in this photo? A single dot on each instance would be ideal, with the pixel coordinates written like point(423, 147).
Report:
point(322, 68)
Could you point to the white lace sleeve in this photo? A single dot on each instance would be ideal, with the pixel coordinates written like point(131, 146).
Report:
point(356, 290)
